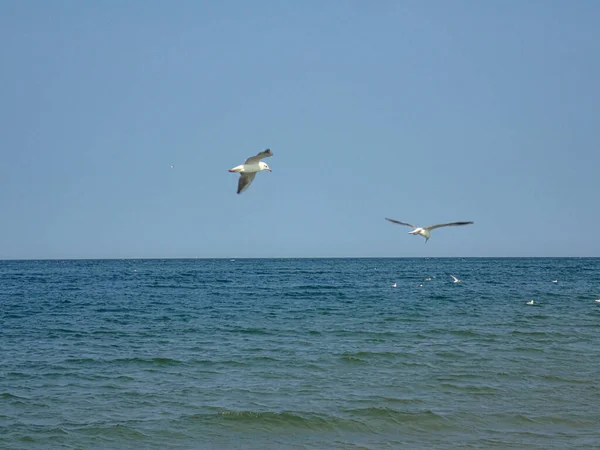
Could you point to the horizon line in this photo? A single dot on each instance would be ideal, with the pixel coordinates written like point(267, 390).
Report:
point(152, 258)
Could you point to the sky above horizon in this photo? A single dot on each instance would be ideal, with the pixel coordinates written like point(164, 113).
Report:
point(425, 112)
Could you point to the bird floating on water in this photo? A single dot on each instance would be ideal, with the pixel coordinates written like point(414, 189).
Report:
point(426, 231)
point(530, 302)
point(555, 281)
point(395, 285)
point(250, 168)
point(456, 280)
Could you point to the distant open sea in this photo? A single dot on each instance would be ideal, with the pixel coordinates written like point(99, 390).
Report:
point(300, 354)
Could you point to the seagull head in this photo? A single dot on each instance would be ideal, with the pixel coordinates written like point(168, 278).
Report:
point(264, 166)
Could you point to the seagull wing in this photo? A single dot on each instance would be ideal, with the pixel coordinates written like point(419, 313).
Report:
point(257, 158)
point(245, 181)
point(400, 223)
point(452, 224)
point(454, 278)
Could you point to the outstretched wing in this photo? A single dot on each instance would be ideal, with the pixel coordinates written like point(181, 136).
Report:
point(400, 223)
point(452, 224)
point(245, 181)
point(257, 158)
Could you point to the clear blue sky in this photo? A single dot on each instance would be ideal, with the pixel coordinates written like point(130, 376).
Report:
point(425, 112)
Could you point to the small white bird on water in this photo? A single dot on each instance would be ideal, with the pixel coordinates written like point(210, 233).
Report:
point(597, 301)
point(530, 302)
point(555, 281)
point(395, 285)
point(426, 231)
point(250, 168)
point(456, 280)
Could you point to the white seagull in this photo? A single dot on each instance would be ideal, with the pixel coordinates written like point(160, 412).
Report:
point(425, 231)
point(456, 280)
point(395, 285)
point(597, 301)
point(530, 302)
point(250, 168)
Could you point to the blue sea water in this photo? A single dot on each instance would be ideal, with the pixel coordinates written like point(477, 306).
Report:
point(300, 354)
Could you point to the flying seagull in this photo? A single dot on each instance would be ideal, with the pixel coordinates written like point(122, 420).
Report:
point(456, 280)
point(425, 231)
point(250, 168)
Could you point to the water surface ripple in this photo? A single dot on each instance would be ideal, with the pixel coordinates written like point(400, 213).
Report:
point(300, 353)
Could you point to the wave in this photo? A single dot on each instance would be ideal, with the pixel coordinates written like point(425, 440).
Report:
point(353, 359)
point(156, 285)
point(365, 354)
point(246, 330)
point(529, 349)
point(467, 333)
point(394, 416)
point(528, 419)
point(400, 318)
point(472, 389)
point(279, 421)
point(561, 380)
point(549, 334)
point(9, 396)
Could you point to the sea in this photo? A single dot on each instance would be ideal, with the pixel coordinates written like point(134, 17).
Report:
point(300, 354)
